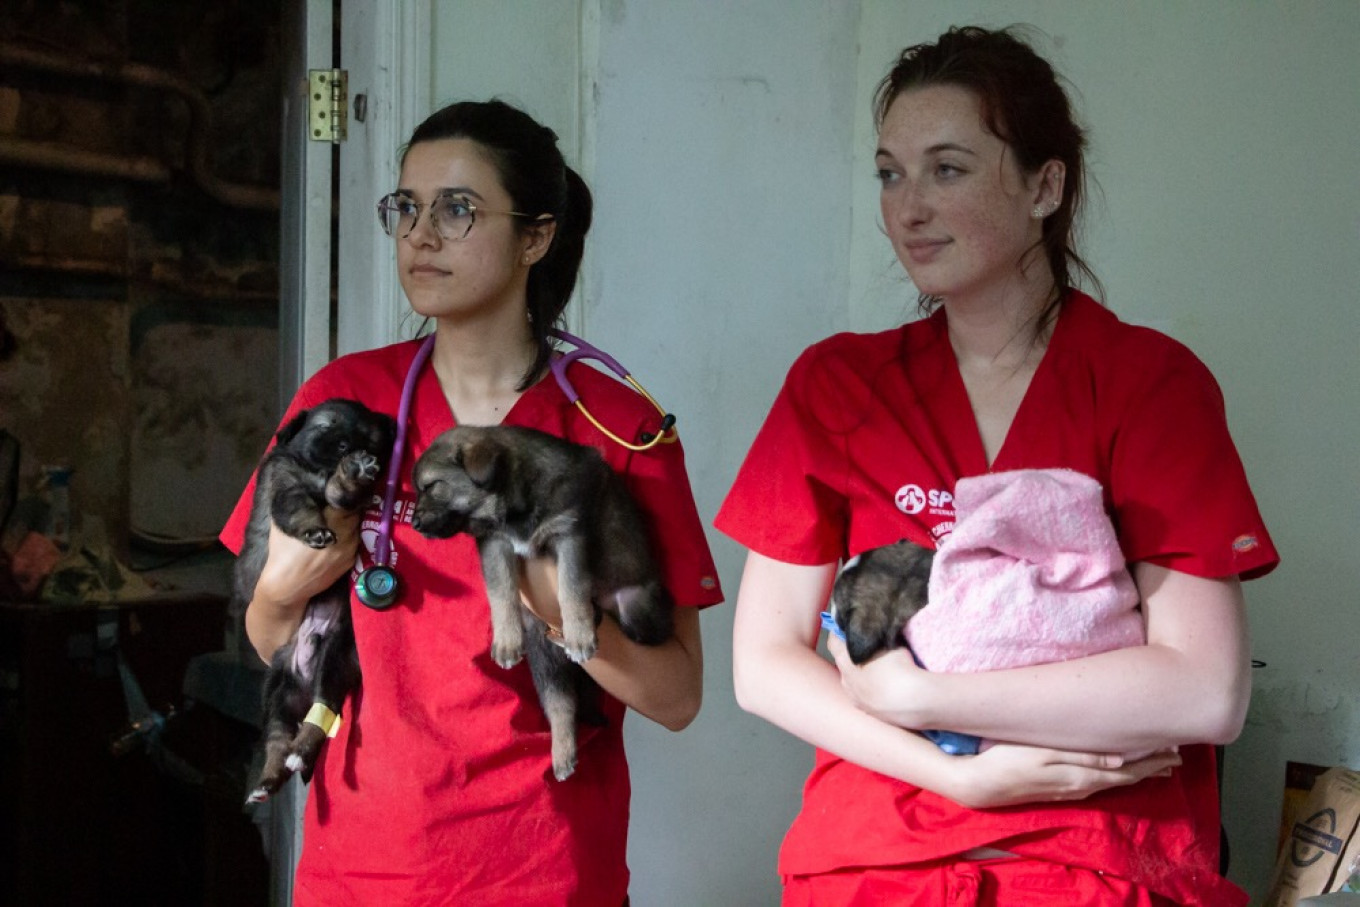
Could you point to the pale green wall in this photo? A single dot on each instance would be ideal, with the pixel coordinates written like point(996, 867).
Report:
point(730, 152)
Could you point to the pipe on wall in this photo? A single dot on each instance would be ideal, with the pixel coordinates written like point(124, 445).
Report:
point(69, 159)
point(49, 155)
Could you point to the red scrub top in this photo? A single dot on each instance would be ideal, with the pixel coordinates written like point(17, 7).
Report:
point(438, 788)
point(863, 447)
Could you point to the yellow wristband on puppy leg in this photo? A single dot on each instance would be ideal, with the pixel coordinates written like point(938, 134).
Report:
point(324, 718)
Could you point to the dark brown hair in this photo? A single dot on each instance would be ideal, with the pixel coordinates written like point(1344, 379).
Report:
point(532, 171)
point(1023, 104)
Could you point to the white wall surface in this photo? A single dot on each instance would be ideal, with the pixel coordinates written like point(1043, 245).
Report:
point(730, 151)
point(722, 177)
point(525, 52)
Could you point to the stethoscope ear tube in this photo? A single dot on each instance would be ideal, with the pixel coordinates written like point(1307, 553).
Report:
point(648, 439)
point(664, 435)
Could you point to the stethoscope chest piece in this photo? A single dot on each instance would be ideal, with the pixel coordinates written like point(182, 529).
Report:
point(377, 587)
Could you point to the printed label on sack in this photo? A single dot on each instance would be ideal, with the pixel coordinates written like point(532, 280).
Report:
point(1313, 838)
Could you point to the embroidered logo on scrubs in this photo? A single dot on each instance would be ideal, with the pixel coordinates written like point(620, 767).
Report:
point(1244, 543)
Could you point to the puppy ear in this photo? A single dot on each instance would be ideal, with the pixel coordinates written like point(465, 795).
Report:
point(483, 460)
point(290, 431)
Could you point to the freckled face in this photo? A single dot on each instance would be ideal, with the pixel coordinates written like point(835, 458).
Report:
point(955, 202)
point(480, 273)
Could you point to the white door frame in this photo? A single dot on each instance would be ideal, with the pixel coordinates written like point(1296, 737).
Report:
point(385, 48)
point(305, 213)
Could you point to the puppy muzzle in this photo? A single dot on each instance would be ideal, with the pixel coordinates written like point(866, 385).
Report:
point(437, 524)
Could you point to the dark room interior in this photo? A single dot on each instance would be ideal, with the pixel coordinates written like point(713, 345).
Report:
point(139, 212)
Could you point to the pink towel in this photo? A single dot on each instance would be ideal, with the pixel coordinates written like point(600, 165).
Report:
point(1032, 573)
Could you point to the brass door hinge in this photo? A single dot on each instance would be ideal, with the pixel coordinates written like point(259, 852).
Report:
point(328, 100)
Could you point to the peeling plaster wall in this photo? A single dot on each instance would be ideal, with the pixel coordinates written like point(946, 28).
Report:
point(139, 155)
point(65, 393)
point(200, 422)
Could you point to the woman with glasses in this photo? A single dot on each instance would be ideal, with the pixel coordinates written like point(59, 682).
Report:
point(1103, 792)
point(438, 787)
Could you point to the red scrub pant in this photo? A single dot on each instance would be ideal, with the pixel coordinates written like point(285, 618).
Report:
point(1006, 882)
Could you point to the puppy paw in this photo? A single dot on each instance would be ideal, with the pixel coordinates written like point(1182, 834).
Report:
point(361, 466)
point(563, 770)
point(581, 645)
point(507, 655)
point(563, 757)
point(318, 538)
point(265, 788)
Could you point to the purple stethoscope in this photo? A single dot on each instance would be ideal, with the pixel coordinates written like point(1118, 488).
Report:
point(377, 585)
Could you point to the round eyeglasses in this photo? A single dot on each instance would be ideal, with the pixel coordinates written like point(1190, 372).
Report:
point(452, 215)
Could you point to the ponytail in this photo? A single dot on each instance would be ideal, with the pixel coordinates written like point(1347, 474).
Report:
point(553, 278)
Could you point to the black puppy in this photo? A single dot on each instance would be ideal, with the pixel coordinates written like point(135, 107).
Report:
point(876, 593)
point(524, 493)
point(325, 456)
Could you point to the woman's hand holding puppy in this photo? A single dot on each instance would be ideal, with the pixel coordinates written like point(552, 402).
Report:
point(885, 686)
point(1003, 774)
point(1008, 774)
point(538, 590)
point(293, 573)
point(664, 683)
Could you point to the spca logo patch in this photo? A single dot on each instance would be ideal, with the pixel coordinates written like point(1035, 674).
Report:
point(912, 499)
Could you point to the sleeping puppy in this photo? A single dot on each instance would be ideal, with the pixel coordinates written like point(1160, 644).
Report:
point(324, 457)
point(876, 593)
point(874, 597)
point(523, 493)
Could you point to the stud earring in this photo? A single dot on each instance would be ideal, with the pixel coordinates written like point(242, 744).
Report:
point(1037, 213)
